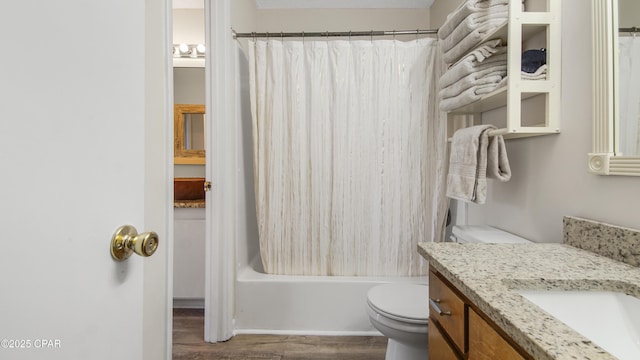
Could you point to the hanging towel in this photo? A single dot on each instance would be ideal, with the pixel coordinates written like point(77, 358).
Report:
point(497, 160)
point(467, 178)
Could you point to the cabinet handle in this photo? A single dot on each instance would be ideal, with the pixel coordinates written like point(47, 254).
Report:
point(436, 307)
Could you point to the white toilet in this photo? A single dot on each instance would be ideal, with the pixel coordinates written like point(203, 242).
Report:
point(401, 311)
point(484, 234)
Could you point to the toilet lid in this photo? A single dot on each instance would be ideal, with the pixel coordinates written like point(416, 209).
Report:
point(403, 302)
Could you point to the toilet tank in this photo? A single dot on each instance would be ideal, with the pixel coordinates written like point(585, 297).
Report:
point(484, 234)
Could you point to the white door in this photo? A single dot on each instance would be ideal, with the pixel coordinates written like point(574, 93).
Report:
point(82, 136)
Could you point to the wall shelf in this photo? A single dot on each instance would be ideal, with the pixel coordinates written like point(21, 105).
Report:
point(523, 29)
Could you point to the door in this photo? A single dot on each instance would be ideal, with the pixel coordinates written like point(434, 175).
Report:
point(82, 152)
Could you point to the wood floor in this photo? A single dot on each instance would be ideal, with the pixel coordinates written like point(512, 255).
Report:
point(188, 344)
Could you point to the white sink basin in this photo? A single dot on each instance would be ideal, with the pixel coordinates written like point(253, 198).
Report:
point(609, 319)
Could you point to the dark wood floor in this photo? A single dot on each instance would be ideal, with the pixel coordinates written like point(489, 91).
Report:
point(188, 343)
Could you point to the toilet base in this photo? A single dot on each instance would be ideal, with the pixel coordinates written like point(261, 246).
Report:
point(406, 351)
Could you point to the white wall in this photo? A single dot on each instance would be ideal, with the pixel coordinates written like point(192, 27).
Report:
point(550, 177)
point(629, 13)
point(246, 18)
point(188, 26)
point(188, 257)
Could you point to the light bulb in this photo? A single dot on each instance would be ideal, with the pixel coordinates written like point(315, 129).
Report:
point(200, 48)
point(184, 48)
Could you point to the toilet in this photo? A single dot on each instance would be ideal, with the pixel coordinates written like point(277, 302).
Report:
point(484, 234)
point(400, 311)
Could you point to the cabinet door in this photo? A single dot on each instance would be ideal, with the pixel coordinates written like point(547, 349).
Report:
point(453, 308)
point(439, 348)
point(485, 343)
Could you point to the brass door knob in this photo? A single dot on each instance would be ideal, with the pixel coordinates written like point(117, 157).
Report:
point(126, 241)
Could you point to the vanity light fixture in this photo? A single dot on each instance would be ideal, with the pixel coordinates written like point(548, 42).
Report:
point(184, 48)
point(188, 50)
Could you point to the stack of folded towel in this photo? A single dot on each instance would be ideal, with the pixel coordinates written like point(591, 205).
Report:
point(467, 26)
point(480, 72)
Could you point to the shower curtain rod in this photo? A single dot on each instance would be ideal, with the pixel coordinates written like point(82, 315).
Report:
point(629, 29)
point(304, 34)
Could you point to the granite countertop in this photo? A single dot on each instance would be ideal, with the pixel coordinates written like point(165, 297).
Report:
point(182, 204)
point(490, 274)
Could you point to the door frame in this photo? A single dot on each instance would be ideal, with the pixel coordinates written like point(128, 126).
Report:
point(157, 316)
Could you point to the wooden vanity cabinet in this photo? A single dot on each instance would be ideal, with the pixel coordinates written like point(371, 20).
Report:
point(458, 331)
point(485, 343)
point(439, 348)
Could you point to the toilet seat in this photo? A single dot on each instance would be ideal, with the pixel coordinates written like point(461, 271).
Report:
point(401, 302)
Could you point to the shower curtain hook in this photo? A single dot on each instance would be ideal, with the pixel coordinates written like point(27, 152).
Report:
point(281, 36)
point(417, 32)
point(303, 37)
point(253, 34)
point(371, 36)
point(394, 34)
point(349, 35)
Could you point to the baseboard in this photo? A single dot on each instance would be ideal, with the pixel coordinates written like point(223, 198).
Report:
point(305, 332)
point(188, 303)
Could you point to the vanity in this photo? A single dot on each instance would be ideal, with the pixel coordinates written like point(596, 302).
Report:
point(479, 308)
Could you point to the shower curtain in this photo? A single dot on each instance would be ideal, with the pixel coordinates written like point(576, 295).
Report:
point(349, 155)
point(629, 98)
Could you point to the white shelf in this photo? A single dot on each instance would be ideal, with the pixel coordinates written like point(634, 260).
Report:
point(520, 28)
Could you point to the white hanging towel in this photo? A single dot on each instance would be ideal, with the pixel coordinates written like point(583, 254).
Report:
point(497, 160)
point(467, 178)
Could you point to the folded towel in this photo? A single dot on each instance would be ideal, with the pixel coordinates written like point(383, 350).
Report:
point(467, 9)
point(484, 77)
point(489, 55)
point(497, 160)
point(468, 96)
point(467, 179)
point(540, 74)
point(483, 22)
point(474, 38)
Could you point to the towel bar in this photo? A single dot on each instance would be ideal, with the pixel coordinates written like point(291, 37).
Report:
point(495, 132)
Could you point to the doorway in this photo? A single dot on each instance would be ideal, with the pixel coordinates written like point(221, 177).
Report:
point(189, 213)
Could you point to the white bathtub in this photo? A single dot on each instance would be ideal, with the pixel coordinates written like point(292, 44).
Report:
point(305, 305)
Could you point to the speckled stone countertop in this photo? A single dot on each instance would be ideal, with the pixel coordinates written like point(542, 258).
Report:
point(490, 274)
point(183, 204)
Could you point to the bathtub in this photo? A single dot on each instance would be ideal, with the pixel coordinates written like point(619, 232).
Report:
point(304, 305)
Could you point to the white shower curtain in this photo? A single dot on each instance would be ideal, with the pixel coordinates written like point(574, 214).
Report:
point(349, 155)
point(629, 96)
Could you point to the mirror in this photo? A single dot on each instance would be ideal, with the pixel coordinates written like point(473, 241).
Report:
point(189, 130)
point(628, 86)
point(611, 129)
